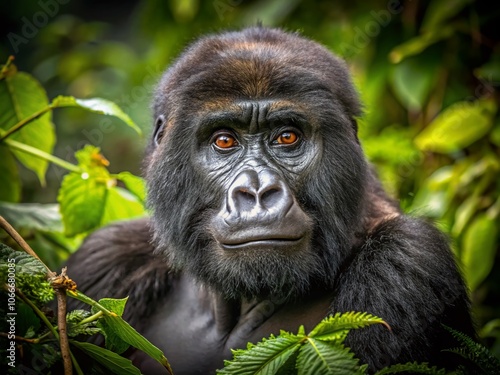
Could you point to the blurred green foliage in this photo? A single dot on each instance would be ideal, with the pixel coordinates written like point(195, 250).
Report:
point(428, 73)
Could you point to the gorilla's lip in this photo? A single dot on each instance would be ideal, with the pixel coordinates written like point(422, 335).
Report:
point(261, 242)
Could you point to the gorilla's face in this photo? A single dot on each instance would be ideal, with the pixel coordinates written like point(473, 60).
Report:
point(256, 176)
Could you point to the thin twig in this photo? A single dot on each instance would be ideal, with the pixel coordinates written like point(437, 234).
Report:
point(20, 338)
point(63, 336)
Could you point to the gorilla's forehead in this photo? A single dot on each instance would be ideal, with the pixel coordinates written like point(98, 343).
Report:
point(257, 63)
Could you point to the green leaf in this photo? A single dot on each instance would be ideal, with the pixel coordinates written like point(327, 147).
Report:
point(464, 213)
point(418, 44)
point(21, 95)
point(113, 341)
point(112, 361)
point(317, 357)
point(10, 184)
point(82, 199)
point(412, 80)
point(117, 305)
point(479, 249)
point(91, 199)
point(34, 216)
point(134, 184)
point(25, 263)
point(457, 127)
point(267, 357)
point(120, 204)
point(128, 334)
point(97, 105)
point(335, 328)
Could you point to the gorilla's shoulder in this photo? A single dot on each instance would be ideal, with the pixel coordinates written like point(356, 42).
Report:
point(119, 261)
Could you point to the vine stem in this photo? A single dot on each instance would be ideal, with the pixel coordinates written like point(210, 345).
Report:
point(42, 155)
point(26, 121)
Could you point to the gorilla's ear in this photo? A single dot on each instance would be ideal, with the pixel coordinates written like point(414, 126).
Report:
point(354, 124)
point(159, 130)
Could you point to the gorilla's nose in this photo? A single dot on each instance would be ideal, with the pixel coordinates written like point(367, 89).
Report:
point(259, 195)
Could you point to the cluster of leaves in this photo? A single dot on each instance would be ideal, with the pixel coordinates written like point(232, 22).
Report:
point(36, 326)
point(89, 196)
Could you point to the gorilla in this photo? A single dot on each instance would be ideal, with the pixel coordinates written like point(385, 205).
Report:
point(265, 215)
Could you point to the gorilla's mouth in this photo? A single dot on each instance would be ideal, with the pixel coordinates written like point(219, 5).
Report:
point(261, 243)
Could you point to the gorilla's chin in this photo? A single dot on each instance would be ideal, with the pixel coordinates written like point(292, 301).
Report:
point(264, 273)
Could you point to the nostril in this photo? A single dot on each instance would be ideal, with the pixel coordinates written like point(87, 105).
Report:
point(270, 197)
point(245, 200)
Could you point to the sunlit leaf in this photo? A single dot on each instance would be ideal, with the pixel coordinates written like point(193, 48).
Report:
point(97, 105)
point(134, 184)
point(82, 200)
point(457, 127)
point(10, 184)
point(21, 96)
point(479, 249)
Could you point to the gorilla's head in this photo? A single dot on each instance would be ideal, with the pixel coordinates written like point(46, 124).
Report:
point(256, 176)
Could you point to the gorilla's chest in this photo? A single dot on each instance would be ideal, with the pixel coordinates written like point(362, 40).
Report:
point(196, 329)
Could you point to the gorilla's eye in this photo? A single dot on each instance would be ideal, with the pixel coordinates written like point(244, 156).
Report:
point(225, 141)
point(286, 138)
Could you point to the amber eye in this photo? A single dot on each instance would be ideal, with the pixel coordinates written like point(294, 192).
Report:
point(287, 138)
point(225, 141)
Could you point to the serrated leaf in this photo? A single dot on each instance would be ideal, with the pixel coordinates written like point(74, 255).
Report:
point(134, 184)
point(335, 328)
point(457, 127)
point(35, 216)
point(97, 105)
point(21, 96)
point(82, 201)
point(317, 357)
point(267, 357)
point(479, 249)
point(25, 263)
point(10, 184)
point(112, 361)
